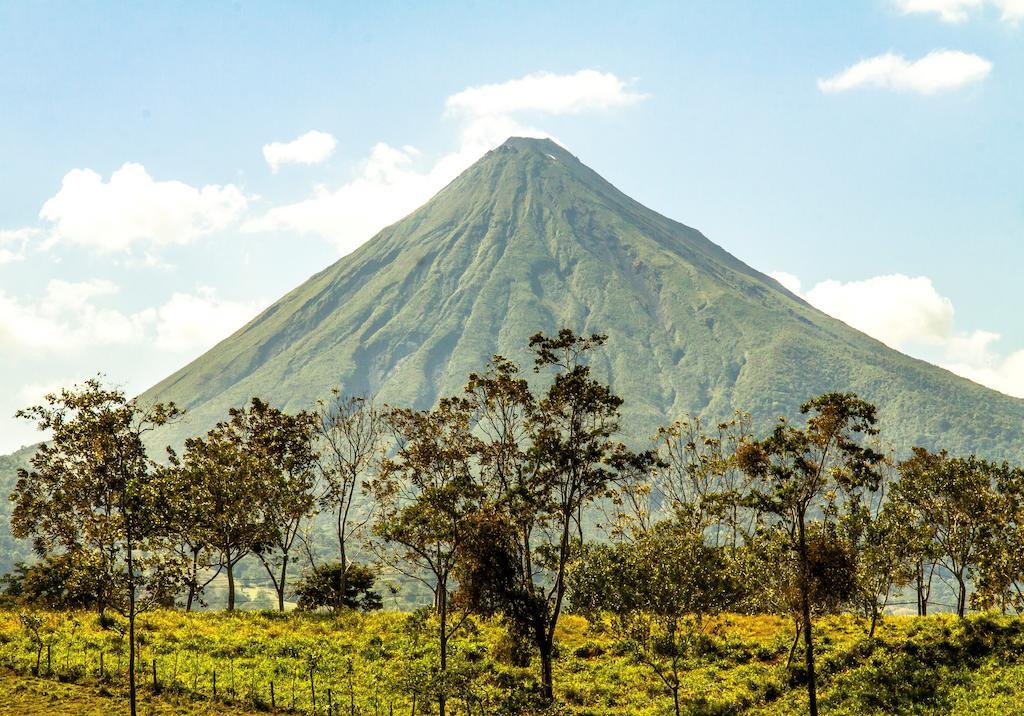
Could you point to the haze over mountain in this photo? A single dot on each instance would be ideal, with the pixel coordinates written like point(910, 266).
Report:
point(529, 239)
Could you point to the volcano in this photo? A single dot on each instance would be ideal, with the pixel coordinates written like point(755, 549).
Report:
point(529, 239)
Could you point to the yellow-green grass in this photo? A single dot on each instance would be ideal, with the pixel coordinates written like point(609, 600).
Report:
point(382, 661)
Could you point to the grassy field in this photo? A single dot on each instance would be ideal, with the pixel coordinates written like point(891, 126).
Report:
point(381, 663)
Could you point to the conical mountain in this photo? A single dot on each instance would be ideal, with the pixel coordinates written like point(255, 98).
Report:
point(529, 239)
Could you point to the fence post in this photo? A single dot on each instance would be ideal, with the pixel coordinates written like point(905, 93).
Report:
point(312, 690)
point(273, 703)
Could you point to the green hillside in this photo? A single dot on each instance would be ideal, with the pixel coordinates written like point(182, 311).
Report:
point(381, 664)
point(530, 239)
point(12, 551)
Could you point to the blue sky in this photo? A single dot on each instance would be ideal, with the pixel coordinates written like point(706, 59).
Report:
point(870, 150)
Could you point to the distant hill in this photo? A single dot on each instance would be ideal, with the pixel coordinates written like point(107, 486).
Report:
point(12, 551)
point(530, 239)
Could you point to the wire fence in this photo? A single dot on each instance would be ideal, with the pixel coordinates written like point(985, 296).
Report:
point(311, 676)
point(258, 684)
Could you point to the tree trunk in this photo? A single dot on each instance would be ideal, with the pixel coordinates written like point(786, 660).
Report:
point(924, 589)
point(132, 696)
point(675, 698)
point(805, 608)
point(796, 643)
point(442, 593)
point(231, 584)
point(874, 621)
point(961, 597)
point(546, 679)
point(281, 583)
point(343, 561)
point(922, 607)
point(193, 585)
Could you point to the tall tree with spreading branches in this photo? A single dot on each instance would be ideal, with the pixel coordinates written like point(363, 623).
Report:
point(229, 497)
point(544, 461)
point(351, 433)
point(94, 494)
point(426, 497)
point(282, 445)
point(797, 469)
point(955, 497)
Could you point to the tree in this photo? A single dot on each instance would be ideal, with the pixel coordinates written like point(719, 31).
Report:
point(425, 496)
point(93, 494)
point(571, 444)
point(229, 501)
point(56, 582)
point(955, 497)
point(254, 478)
point(351, 434)
point(659, 589)
point(324, 587)
point(1000, 582)
point(188, 535)
point(543, 462)
point(797, 468)
point(692, 477)
point(885, 543)
point(282, 447)
point(920, 531)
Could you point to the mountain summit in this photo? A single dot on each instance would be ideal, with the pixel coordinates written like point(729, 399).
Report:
point(530, 239)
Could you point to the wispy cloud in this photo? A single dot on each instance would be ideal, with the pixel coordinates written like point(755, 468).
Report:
point(71, 316)
point(313, 147)
point(909, 314)
point(14, 242)
point(586, 90)
point(937, 71)
point(189, 322)
point(67, 317)
point(957, 11)
point(393, 180)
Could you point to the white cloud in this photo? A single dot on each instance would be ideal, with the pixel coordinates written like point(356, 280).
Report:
point(13, 236)
point(788, 281)
point(133, 208)
point(312, 147)
point(389, 185)
point(1004, 373)
point(392, 181)
point(910, 315)
point(67, 317)
point(17, 238)
point(956, 11)
point(938, 70)
point(189, 322)
point(544, 92)
point(895, 309)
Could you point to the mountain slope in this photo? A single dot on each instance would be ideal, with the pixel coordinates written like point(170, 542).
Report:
point(530, 239)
